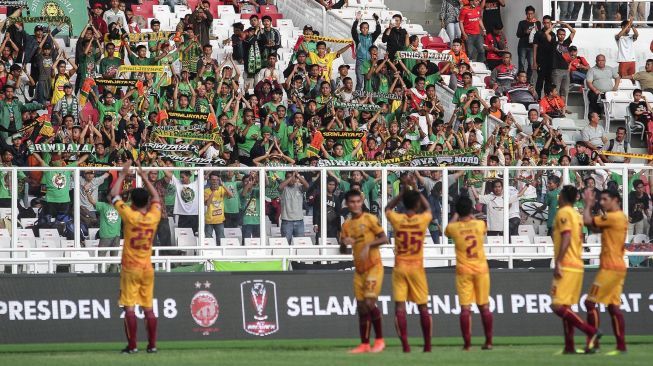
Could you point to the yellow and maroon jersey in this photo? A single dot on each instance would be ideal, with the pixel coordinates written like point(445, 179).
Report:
point(139, 230)
point(468, 238)
point(614, 228)
point(568, 220)
point(363, 229)
point(409, 232)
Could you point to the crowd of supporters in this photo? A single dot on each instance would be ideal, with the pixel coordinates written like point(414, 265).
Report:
point(244, 110)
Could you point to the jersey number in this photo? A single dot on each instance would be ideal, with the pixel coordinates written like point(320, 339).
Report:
point(471, 244)
point(408, 243)
point(142, 240)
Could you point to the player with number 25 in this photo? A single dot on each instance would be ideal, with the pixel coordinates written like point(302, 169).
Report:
point(408, 276)
point(137, 275)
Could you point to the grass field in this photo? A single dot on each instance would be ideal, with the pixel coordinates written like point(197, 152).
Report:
point(522, 351)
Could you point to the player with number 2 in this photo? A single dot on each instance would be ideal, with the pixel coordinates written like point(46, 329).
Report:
point(408, 276)
point(140, 222)
point(472, 271)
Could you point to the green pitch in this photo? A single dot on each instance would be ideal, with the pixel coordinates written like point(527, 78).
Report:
point(522, 351)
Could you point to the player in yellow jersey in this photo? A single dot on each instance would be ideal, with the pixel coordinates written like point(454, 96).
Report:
point(568, 270)
point(408, 276)
point(609, 281)
point(472, 271)
point(140, 222)
point(364, 234)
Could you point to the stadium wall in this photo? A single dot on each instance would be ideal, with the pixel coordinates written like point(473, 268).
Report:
point(301, 304)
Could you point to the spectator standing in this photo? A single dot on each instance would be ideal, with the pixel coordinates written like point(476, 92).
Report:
point(578, 67)
point(472, 31)
point(162, 185)
point(292, 211)
point(449, 13)
point(551, 201)
point(559, 65)
point(214, 200)
point(251, 206)
point(269, 40)
point(626, 47)
point(363, 41)
point(639, 213)
point(201, 21)
point(109, 232)
point(186, 200)
point(492, 14)
point(115, 15)
point(395, 37)
point(645, 77)
point(638, 9)
point(494, 205)
point(525, 32)
point(542, 51)
point(90, 187)
point(601, 79)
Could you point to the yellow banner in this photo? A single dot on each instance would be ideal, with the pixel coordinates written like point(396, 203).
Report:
point(149, 36)
point(136, 68)
point(627, 155)
point(328, 39)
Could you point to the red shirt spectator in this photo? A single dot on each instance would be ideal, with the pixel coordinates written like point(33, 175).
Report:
point(575, 61)
point(471, 19)
point(495, 42)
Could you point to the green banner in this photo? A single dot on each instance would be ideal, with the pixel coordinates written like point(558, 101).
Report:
point(275, 265)
point(75, 10)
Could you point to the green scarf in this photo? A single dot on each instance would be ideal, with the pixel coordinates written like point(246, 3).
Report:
point(255, 63)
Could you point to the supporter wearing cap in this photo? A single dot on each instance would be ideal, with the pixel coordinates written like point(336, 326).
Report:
point(68, 104)
point(97, 20)
point(363, 40)
point(578, 66)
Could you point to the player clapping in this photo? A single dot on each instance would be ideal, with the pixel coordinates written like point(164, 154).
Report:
point(472, 271)
point(609, 281)
point(364, 234)
point(408, 277)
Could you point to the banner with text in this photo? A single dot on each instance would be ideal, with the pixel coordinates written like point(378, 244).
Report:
point(196, 306)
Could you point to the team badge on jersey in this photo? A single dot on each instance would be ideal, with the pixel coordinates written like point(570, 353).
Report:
point(204, 309)
point(59, 180)
point(259, 303)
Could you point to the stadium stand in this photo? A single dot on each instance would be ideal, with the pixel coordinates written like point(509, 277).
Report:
point(223, 108)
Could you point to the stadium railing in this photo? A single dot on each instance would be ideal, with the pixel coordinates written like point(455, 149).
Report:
point(505, 172)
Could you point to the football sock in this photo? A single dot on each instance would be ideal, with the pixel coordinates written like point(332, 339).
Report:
point(425, 322)
point(376, 322)
point(466, 326)
point(592, 317)
point(618, 326)
point(400, 324)
point(130, 328)
point(487, 319)
point(569, 336)
point(565, 313)
point(364, 327)
point(150, 324)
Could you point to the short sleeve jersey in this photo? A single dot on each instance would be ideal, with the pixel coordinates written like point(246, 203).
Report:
point(468, 238)
point(567, 219)
point(139, 230)
point(614, 228)
point(409, 232)
point(363, 229)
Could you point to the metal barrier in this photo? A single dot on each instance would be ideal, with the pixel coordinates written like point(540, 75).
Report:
point(621, 169)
